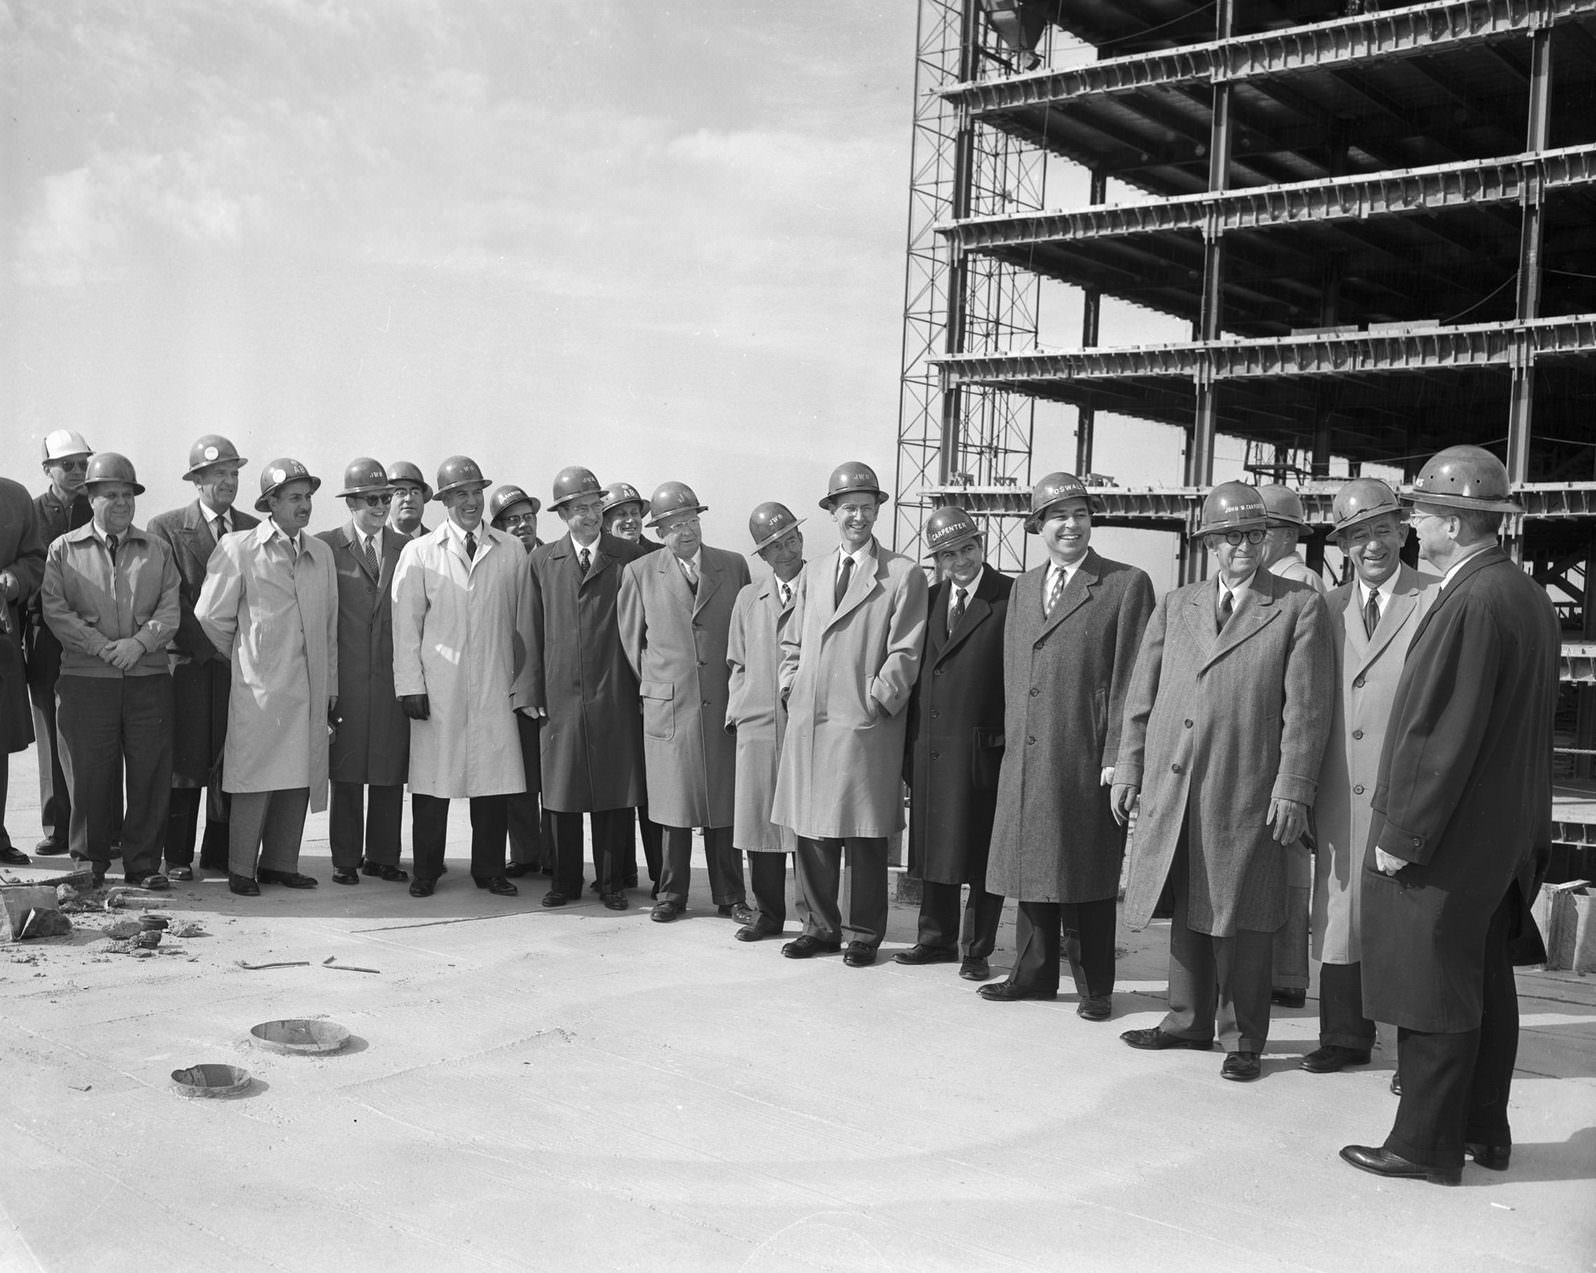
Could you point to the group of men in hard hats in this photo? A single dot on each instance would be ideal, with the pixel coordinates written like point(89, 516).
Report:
point(1383, 749)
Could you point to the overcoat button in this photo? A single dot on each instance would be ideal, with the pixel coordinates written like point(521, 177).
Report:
point(1188, 724)
point(1358, 790)
point(1174, 769)
point(1031, 740)
point(1357, 733)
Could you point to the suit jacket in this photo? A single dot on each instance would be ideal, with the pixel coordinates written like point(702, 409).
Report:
point(675, 640)
point(372, 745)
point(202, 678)
point(755, 712)
point(592, 741)
point(955, 734)
point(1366, 680)
point(1464, 795)
point(1066, 677)
point(21, 556)
point(1216, 725)
point(848, 669)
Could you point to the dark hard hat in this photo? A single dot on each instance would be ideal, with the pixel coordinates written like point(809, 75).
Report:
point(364, 476)
point(211, 449)
point(670, 498)
point(849, 479)
point(62, 444)
point(405, 471)
point(1053, 489)
point(279, 473)
point(1232, 506)
point(1362, 500)
point(769, 522)
point(1284, 505)
point(459, 473)
point(506, 497)
point(1466, 477)
point(108, 466)
point(617, 494)
point(949, 527)
point(571, 482)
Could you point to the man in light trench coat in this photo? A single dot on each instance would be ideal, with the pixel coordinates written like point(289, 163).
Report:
point(756, 714)
point(461, 607)
point(1372, 621)
point(850, 654)
point(1074, 627)
point(675, 612)
point(1225, 726)
point(270, 605)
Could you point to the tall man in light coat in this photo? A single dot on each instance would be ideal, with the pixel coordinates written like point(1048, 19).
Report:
point(955, 748)
point(201, 677)
point(370, 751)
point(1225, 725)
point(1372, 621)
point(21, 570)
point(675, 612)
point(586, 690)
point(1069, 649)
point(460, 614)
point(1461, 830)
point(850, 655)
point(756, 714)
point(270, 605)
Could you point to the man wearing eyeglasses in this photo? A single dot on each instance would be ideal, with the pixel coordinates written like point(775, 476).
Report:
point(410, 496)
point(1225, 725)
point(62, 508)
point(369, 756)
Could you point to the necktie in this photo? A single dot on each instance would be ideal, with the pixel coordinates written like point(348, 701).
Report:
point(843, 577)
point(956, 610)
point(219, 526)
point(585, 556)
point(471, 545)
point(111, 544)
point(1371, 614)
point(691, 575)
point(1227, 603)
point(786, 594)
point(371, 554)
point(1055, 589)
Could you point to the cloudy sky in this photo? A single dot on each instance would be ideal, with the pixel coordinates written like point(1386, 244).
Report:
point(662, 240)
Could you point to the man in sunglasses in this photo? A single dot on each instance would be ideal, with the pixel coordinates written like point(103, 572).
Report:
point(1225, 724)
point(369, 755)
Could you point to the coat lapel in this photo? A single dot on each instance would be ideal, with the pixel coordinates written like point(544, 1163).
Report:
point(977, 612)
point(1255, 612)
point(709, 579)
point(1077, 592)
point(860, 587)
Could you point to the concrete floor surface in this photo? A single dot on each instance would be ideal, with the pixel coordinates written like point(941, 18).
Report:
point(583, 1089)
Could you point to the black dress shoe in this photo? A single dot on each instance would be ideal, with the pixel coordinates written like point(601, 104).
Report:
point(1009, 992)
point(1331, 1058)
point(918, 954)
point(859, 954)
point(665, 912)
point(517, 869)
point(180, 874)
point(975, 969)
point(288, 879)
point(383, 871)
point(556, 898)
point(154, 881)
point(1095, 1008)
point(243, 885)
point(10, 855)
point(1241, 1067)
point(808, 946)
point(615, 901)
point(350, 876)
point(48, 848)
point(422, 888)
point(1396, 1082)
point(758, 930)
point(1156, 1040)
point(497, 885)
point(1382, 1162)
point(1289, 998)
point(1491, 1157)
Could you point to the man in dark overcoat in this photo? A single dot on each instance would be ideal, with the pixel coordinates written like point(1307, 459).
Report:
point(369, 756)
point(586, 691)
point(1074, 627)
point(1225, 725)
point(675, 615)
point(955, 746)
point(61, 507)
point(1462, 830)
point(21, 572)
point(202, 677)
